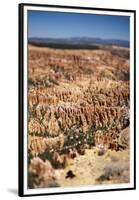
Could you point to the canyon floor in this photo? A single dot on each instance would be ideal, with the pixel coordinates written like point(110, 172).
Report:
point(93, 169)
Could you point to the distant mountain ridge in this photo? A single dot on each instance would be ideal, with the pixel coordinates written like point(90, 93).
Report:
point(83, 41)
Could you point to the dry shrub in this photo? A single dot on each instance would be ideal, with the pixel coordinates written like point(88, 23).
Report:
point(41, 174)
point(115, 172)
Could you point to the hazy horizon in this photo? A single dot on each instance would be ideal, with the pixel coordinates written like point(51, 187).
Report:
point(78, 37)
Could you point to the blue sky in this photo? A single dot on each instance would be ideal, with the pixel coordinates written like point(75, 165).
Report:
point(62, 25)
